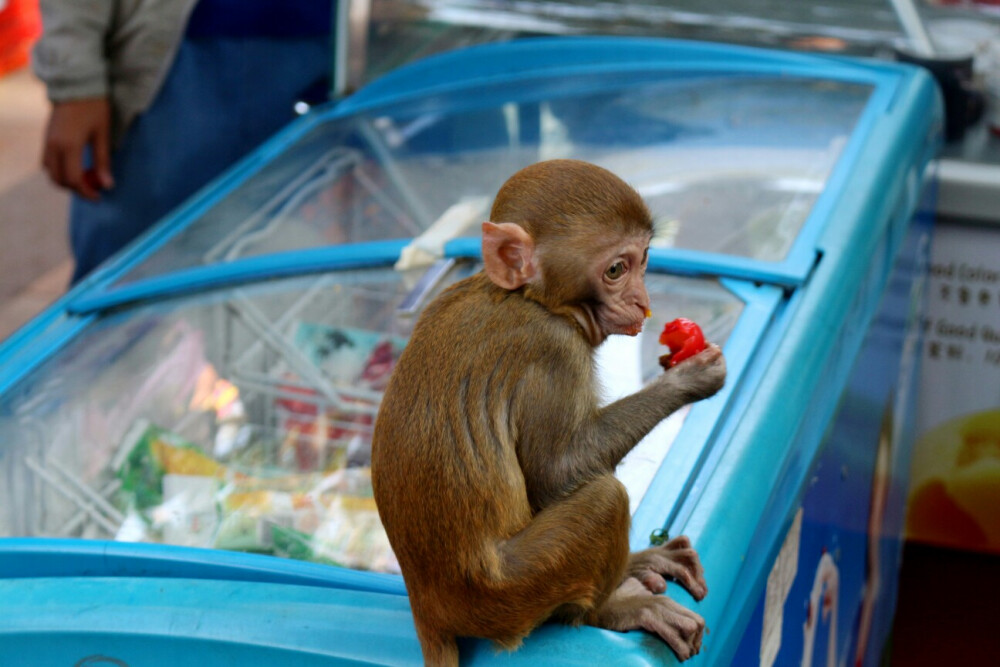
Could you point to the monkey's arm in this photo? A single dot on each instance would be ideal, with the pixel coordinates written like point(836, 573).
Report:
point(565, 442)
point(615, 429)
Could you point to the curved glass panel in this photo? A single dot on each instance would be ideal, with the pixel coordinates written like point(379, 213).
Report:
point(728, 163)
point(400, 31)
point(241, 419)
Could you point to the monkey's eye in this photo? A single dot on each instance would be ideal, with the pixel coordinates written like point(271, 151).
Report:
point(615, 271)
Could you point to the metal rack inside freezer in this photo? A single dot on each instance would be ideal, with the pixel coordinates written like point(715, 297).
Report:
point(234, 408)
point(241, 419)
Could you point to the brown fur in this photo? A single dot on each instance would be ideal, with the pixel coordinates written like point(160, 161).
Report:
point(491, 460)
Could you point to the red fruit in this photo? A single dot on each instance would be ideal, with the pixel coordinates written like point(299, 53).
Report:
point(684, 338)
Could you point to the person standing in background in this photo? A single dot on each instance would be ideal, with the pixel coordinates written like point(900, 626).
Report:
point(151, 99)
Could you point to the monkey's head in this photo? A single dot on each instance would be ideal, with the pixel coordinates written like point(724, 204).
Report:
point(575, 238)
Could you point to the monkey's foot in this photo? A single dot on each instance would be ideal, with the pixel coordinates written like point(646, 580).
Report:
point(633, 607)
point(675, 560)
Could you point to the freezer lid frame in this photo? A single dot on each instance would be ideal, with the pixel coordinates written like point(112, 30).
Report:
point(454, 76)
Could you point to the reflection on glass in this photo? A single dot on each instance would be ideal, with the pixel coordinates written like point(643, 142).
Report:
point(242, 419)
point(728, 164)
point(237, 421)
point(400, 31)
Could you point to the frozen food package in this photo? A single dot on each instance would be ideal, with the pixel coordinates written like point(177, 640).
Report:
point(175, 493)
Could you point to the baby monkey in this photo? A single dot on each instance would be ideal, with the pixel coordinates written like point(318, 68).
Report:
point(492, 461)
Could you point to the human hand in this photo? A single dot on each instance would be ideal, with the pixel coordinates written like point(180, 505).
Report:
point(73, 126)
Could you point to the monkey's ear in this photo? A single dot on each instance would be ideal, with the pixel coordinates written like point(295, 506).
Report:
point(508, 254)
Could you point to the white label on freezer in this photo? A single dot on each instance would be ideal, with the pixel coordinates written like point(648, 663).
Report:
point(962, 347)
point(779, 583)
point(955, 475)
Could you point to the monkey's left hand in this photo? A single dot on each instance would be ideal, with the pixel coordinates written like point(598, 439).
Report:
point(677, 560)
point(700, 376)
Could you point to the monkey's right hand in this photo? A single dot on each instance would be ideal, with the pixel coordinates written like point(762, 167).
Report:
point(700, 376)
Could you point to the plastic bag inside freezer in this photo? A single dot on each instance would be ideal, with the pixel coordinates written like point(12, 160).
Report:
point(242, 419)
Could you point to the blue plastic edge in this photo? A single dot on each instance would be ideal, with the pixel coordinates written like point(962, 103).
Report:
point(28, 353)
point(53, 557)
point(250, 269)
point(95, 621)
point(687, 453)
point(677, 261)
point(382, 253)
point(671, 260)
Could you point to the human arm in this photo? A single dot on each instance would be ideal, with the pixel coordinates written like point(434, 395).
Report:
point(71, 58)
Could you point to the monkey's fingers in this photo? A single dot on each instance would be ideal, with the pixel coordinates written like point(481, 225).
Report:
point(709, 354)
point(704, 374)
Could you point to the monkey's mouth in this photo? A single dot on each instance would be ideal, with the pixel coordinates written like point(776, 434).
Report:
point(633, 329)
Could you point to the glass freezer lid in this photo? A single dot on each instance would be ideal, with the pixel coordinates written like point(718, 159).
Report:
point(241, 419)
point(732, 163)
point(400, 31)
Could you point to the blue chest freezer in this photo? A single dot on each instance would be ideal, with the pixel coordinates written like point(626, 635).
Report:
point(185, 436)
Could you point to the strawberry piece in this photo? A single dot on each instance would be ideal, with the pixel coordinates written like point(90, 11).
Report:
point(684, 338)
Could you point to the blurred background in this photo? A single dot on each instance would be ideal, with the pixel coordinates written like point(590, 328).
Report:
point(34, 250)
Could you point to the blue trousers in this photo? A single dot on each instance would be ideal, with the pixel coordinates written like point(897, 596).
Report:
point(221, 98)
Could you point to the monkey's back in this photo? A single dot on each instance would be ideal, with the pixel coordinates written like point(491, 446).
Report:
point(445, 466)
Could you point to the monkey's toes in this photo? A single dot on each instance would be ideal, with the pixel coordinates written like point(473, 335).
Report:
point(653, 581)
point(682, 633)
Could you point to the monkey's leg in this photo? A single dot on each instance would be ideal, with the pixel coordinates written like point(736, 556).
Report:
point(563, 564)
point(633, 607)
point(675, 560)
point(578, 543)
